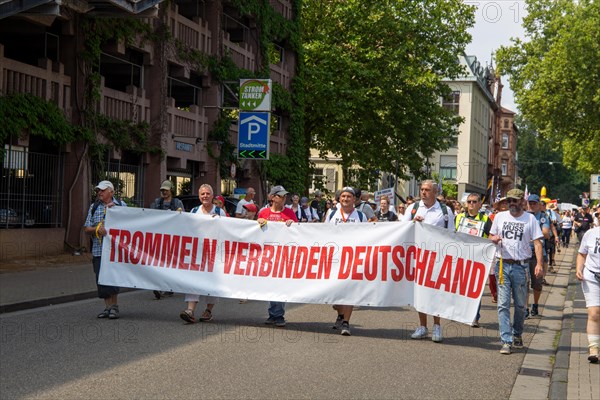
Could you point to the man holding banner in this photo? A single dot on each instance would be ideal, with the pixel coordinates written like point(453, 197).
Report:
point(346, 213)
point(430, 211)
point(476, 223)
point(513, 230)
point(94, 225)
point(277, 213)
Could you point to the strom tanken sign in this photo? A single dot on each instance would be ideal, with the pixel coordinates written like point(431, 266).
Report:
point(255, 94)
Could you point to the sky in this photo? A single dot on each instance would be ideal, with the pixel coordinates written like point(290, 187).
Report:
point(495, 23)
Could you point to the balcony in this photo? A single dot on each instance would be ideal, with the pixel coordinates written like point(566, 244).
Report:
point(44, 81)
point(131, 105)
point(193, 33)
point(281, 75)
point(241, 53)
point(283, 7)
point(189, 127)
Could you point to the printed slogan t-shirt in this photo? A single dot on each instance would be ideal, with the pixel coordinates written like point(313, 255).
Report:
point(284, 215)
point(516, 234)
point(590, 245)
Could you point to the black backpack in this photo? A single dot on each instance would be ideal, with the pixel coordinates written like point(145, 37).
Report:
point(97, 204)
point(172, 206)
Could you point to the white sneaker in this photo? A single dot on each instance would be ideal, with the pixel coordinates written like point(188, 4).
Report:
point(436, 335)
point(420, 333)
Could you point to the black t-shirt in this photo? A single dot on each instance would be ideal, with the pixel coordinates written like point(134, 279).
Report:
point(388, 216)
point(586, 221)
point(317, 206)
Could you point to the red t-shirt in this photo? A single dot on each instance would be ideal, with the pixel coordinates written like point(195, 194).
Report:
point(284, 215)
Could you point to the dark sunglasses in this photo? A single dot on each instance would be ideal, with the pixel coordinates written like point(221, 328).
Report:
point(513, 200)
point(472, 201)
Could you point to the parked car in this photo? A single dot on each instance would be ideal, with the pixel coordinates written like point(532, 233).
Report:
point(10, 217)
point(191, 201)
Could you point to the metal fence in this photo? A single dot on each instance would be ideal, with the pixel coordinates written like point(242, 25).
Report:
point(127, 179)
point(31, 188)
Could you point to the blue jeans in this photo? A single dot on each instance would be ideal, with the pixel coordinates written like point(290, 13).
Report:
point(515, 284)
point(276, 309)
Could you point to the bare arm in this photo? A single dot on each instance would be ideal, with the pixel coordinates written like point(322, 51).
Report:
point(580, 264)
point(539, 268)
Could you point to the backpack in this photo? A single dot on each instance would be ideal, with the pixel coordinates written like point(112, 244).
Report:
point(172, 206)
point(97, 204)
point(217, 210)
point(442, 206)
point(360, 214)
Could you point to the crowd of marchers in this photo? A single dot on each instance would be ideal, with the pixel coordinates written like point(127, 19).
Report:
point(528, 232)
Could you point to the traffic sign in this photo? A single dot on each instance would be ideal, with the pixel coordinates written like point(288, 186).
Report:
point(253, 135)
point(255, 94)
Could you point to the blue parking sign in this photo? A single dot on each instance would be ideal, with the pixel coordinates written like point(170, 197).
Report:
point(253, 135)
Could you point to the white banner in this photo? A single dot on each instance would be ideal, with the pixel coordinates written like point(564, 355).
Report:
point(371, 264)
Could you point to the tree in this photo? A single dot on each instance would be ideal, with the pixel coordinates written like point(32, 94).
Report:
point(556, 76)
point(540, 165)
point(373, 78)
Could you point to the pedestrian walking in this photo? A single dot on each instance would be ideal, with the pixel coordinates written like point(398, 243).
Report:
point(94, 225)
point(512, 231)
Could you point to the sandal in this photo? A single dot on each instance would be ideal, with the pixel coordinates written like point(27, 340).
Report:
point(105, 313)
point(206, 316)
point(114, 312)
point(188, 316)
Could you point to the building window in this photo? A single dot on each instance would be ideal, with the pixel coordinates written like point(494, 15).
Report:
point(452, 101)
point(505, 140)
point(504, 167)
point(276, 54)
point(319, 179)
point(448, 167)
point(506, 124)
point(120, 73)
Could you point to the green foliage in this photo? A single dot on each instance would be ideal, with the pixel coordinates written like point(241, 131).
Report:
point(449, 188)
point(126, 134)
point(99, 31)
point(556, 79)
point(374, 73)
point(220, 134)
point(540, 165)
point(121, 134)
point(24, 113)
point(185, 188)
point(27, 114)
point(291, 169)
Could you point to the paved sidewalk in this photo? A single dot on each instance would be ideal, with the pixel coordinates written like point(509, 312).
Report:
point(555, 365)
point(583, 377)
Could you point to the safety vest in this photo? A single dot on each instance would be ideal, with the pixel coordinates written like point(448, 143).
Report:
point(480, 217)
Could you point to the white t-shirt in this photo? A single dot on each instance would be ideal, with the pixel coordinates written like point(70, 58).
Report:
point(590, 245)
point(516, 234)
point(340, 217)
point(309, 212)
point(239, 209)
point(432, 215)
point(567, 222)
point(213, 210)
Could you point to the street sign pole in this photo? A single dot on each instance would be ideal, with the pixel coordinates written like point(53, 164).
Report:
point(255, 119)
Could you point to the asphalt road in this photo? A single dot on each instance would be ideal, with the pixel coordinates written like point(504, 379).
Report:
point(64, 352)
